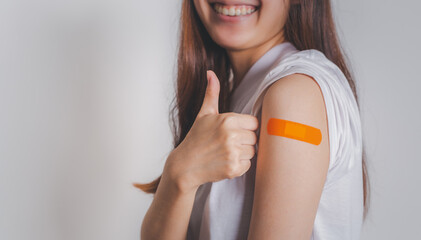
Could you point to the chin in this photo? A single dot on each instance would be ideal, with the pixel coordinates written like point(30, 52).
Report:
point(232, 41)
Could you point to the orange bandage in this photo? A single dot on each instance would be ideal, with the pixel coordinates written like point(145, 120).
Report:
point(294, 130)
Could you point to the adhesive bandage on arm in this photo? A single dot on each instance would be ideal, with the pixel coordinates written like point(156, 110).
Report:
point(294, 130)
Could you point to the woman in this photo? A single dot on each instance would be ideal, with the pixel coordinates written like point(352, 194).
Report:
point(278, 81)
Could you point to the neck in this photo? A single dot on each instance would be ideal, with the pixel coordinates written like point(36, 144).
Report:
point(242, 59)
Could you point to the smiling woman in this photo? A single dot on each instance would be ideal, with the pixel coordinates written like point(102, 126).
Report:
point(235, 173)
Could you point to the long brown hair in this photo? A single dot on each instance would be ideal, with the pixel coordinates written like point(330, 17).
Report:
point(309, 25)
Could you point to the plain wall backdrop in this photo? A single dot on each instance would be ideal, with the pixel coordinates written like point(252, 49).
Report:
point(85, 90)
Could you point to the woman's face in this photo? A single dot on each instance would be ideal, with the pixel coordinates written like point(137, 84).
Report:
point(241, 24)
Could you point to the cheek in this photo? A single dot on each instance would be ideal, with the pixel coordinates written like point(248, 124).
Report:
point(270, 26)
point(272, 18)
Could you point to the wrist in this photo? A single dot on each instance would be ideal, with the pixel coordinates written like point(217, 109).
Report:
point(176, 173)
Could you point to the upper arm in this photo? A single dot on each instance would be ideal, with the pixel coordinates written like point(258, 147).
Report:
point(290, 174)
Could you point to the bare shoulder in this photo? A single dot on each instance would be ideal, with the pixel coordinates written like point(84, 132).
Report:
point(297, 97)
point(294, 90)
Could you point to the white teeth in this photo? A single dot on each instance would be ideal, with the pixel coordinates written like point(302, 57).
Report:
point(233, 10)
point(224, 11)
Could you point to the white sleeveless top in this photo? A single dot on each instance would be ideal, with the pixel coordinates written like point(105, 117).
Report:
point(222, 210)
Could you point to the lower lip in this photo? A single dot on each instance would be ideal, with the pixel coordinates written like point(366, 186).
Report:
point(232, 19)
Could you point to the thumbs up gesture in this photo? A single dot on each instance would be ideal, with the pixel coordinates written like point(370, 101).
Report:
point(211, 99)
point(218, 146)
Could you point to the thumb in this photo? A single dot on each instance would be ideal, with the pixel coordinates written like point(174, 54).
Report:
point(210, 101)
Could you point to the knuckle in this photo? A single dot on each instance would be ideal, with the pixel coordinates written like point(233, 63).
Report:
point(228, 120)
point(232, 135)
point(232, 154)
point(231, 151)
point(231, 170)
point(228, 138)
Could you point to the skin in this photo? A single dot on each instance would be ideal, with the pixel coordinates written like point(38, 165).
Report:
point(290, 174)
point(248, 40)
point(224, 153)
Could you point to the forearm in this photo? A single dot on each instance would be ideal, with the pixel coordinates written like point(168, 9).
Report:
point(169, 214)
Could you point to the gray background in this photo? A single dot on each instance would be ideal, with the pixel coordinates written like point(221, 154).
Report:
point(85, 89)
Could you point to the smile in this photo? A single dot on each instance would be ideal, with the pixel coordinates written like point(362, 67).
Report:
point(234, 10)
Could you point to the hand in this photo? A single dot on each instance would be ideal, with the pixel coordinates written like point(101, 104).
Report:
point(218, 146)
